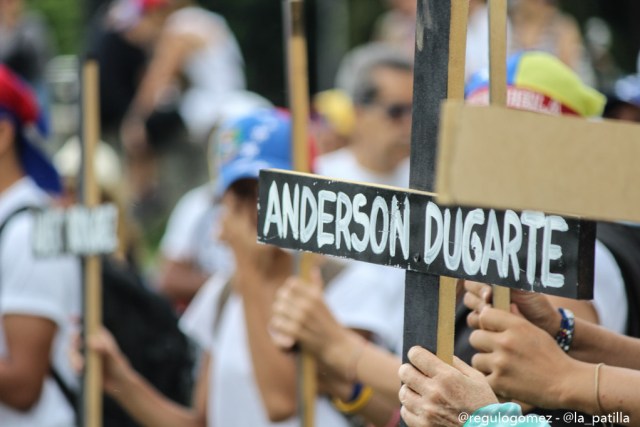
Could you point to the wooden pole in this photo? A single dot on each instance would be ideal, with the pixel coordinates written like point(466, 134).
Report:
point(297, 72)
point(455, 90)
point(498, 95)
point(92, 267)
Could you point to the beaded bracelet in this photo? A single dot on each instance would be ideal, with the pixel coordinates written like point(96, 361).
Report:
point(355, 405)
point(564, 337)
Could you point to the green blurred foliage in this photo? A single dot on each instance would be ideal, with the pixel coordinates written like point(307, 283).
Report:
point(65, 20)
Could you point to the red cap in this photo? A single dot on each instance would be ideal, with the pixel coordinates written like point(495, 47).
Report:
point(16, 97)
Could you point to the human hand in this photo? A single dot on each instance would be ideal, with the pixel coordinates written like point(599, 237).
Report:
point(116, 368)
point(533, 306)
point(435, 394)
point(300, 314)
point(521, 361)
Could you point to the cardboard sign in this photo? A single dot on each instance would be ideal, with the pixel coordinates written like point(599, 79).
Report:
point(566, 165)
point(78, 230)
point(407, 229)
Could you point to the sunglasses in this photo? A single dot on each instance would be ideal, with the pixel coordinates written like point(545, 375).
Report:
point(395, 112)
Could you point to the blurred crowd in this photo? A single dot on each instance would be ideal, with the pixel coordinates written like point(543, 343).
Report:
point(202, 330)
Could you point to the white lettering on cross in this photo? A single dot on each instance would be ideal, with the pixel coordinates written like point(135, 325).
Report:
point(400, 227)
point(323, 237)
point(308, 225)
point(360, 244)
point(344, 213)
point(535, 221)
point(290, 210)
point(551, 251)
point(471, 241)
point(379, 206)
point(432, 249)
point(274, 216)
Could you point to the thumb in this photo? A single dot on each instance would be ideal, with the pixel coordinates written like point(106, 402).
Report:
point(316, 278)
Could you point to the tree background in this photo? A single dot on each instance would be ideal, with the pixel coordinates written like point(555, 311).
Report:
point(258, 26)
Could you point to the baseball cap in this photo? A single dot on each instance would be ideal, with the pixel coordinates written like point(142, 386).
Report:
point(18, 104)
point(539, 82)
point(260, 140)
point(336, 108)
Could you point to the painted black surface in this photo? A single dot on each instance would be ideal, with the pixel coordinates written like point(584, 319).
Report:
point(574, 264)
point(430, 80)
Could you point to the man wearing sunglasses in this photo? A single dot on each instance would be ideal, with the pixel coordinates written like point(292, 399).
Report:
point(379, 80)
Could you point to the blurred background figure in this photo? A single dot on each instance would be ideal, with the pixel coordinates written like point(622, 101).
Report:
point(142, 322)
point(40, 298)
point(190, 250)
point(599, 42)
point(477, 57)
point(124, 35)
point(25, 44)
point(397, 26)
point(624, 102)
point(541, 25)
point(195, 65)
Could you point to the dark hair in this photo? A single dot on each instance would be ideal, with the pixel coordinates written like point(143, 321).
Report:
point(367, 91)
point(357, 70)
point(245, 189)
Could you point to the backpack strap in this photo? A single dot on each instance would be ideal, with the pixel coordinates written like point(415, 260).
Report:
point(70, 396)
point(12, 215)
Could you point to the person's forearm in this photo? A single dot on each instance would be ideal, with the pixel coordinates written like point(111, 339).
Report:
point(180, 281)
point(616, 391)
point(369, 363)
point(274, 369)
point(148, 407)
point(594, 344)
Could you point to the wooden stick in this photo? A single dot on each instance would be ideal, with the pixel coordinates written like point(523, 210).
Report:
point(498, 95)
point(298, 84)
point(92, 270)
point(455, 90)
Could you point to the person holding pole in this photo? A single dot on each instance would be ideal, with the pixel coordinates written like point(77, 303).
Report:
point(244, 379)
point(40, 298)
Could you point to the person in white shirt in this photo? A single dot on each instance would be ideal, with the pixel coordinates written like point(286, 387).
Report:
point(39, 297)
point(245, 379)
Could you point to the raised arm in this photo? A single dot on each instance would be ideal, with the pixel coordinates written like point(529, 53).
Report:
point(144, 403)
point(300, 314)
point(591, 343)
point(523, 362)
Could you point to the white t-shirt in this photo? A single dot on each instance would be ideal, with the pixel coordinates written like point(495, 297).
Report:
point(191, 233)
point(609, 293)
point(234, 397)
point(342, 164)
point(371, 298)
point(367, 296)
point(47, 288)
point(212, 71)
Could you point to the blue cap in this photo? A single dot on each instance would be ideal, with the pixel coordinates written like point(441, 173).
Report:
point(260, 140)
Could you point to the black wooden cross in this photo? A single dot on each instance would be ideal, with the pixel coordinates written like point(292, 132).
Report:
point(407, 229)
